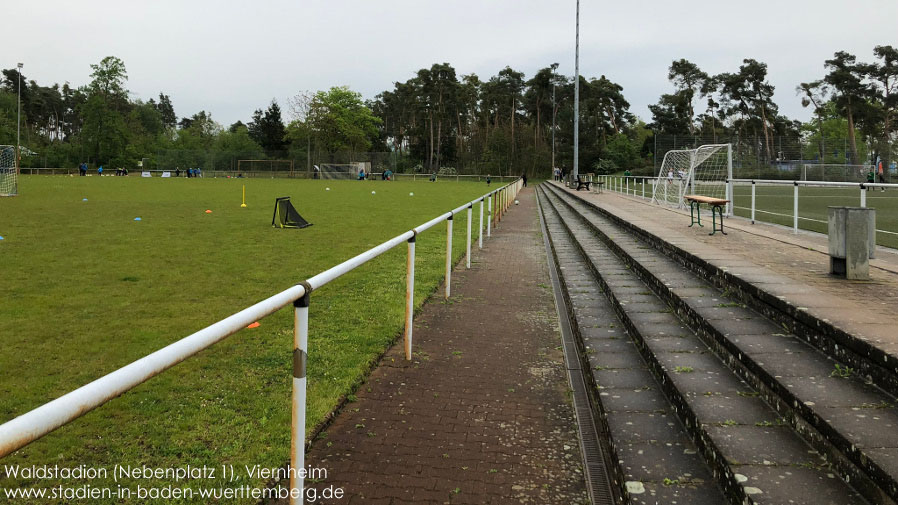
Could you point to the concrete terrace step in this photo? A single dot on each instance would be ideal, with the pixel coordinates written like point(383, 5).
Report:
point(852, 422)
point(755, 454)
point(652, 457)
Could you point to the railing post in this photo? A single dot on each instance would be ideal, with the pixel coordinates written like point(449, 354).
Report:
point(448, 255)
point(863, 196)
point(795, 210)
point(468, 249)
point(731, 205)
point(489, 222)
point(480, 228)
point(643, 189)
point(628, 186)
point(409, 296)
point(752, 202)
point(298, 429)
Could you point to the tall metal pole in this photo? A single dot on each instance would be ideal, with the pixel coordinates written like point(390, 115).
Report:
point(19, 118)
point(554, 108)
point(576, 171)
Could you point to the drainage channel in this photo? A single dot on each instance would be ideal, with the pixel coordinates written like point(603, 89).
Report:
point(843, 418)
point(602, 489)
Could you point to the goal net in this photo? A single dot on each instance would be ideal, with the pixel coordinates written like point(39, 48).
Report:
point(702, 171)
point(9, 181)
point(834, 172)
point(344, 170)
point(265, 166)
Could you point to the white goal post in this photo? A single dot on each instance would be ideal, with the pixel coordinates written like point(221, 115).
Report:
point(9, 177)
point(265, 166)
point(343, 170)
point(701, 171)
point(834, 172)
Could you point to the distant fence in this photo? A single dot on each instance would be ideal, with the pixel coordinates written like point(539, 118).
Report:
point(785, 157)
point(32, 425)
point(274, 174)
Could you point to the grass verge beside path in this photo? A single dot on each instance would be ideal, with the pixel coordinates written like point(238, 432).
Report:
point(87, 290)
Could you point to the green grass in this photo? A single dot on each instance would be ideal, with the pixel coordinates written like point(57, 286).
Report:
point(774, 204)
point(86, 290)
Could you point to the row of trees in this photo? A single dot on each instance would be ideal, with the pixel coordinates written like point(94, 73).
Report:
point(437, 119)
point(854, 99)
point(504, 124)
point(433, 120)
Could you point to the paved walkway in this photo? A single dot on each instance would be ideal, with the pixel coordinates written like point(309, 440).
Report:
point(482, 414)
point(796, 267)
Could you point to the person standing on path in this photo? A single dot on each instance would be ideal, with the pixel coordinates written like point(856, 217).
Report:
point(524, 179)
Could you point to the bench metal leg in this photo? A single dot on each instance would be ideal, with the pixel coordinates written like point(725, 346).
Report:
point(695, 218)
point(718, 210)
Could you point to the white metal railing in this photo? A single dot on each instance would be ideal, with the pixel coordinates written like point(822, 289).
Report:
point(28, 427)
point(641, 186)
point(862, 186)
point(632, 185)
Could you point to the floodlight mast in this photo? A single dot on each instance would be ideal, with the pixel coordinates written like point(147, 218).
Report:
point(576, 172)
point(554, 109)
point(19, 118)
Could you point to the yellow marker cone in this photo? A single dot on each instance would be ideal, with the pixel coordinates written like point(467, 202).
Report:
point(244, 197)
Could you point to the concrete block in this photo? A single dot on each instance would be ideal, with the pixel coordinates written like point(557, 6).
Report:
point(852, 241)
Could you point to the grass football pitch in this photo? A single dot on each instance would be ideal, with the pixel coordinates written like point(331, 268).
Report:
point(86, 289)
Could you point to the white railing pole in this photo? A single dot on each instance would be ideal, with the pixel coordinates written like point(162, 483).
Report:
point(628, 186)
point(752, 202)
point(448, 255)
point(731, 197)
point(468, 249)
point(643, 189)
point(863, 196)
point(298, 430)
point(480, 228)
point(795, 210)
point(409, 297)
point(489, 221)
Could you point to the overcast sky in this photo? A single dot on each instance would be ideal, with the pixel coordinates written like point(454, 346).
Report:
point(230, 58)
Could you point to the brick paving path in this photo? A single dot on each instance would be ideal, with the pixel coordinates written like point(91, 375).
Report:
point(482, 414)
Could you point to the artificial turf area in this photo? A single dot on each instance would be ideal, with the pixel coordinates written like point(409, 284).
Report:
point(774, 204)
point(87, 289)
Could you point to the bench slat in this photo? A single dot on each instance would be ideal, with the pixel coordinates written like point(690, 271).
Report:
point(706, 199)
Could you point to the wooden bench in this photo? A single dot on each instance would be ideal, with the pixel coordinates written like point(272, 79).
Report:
point(582, 183)
point(695, 214)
